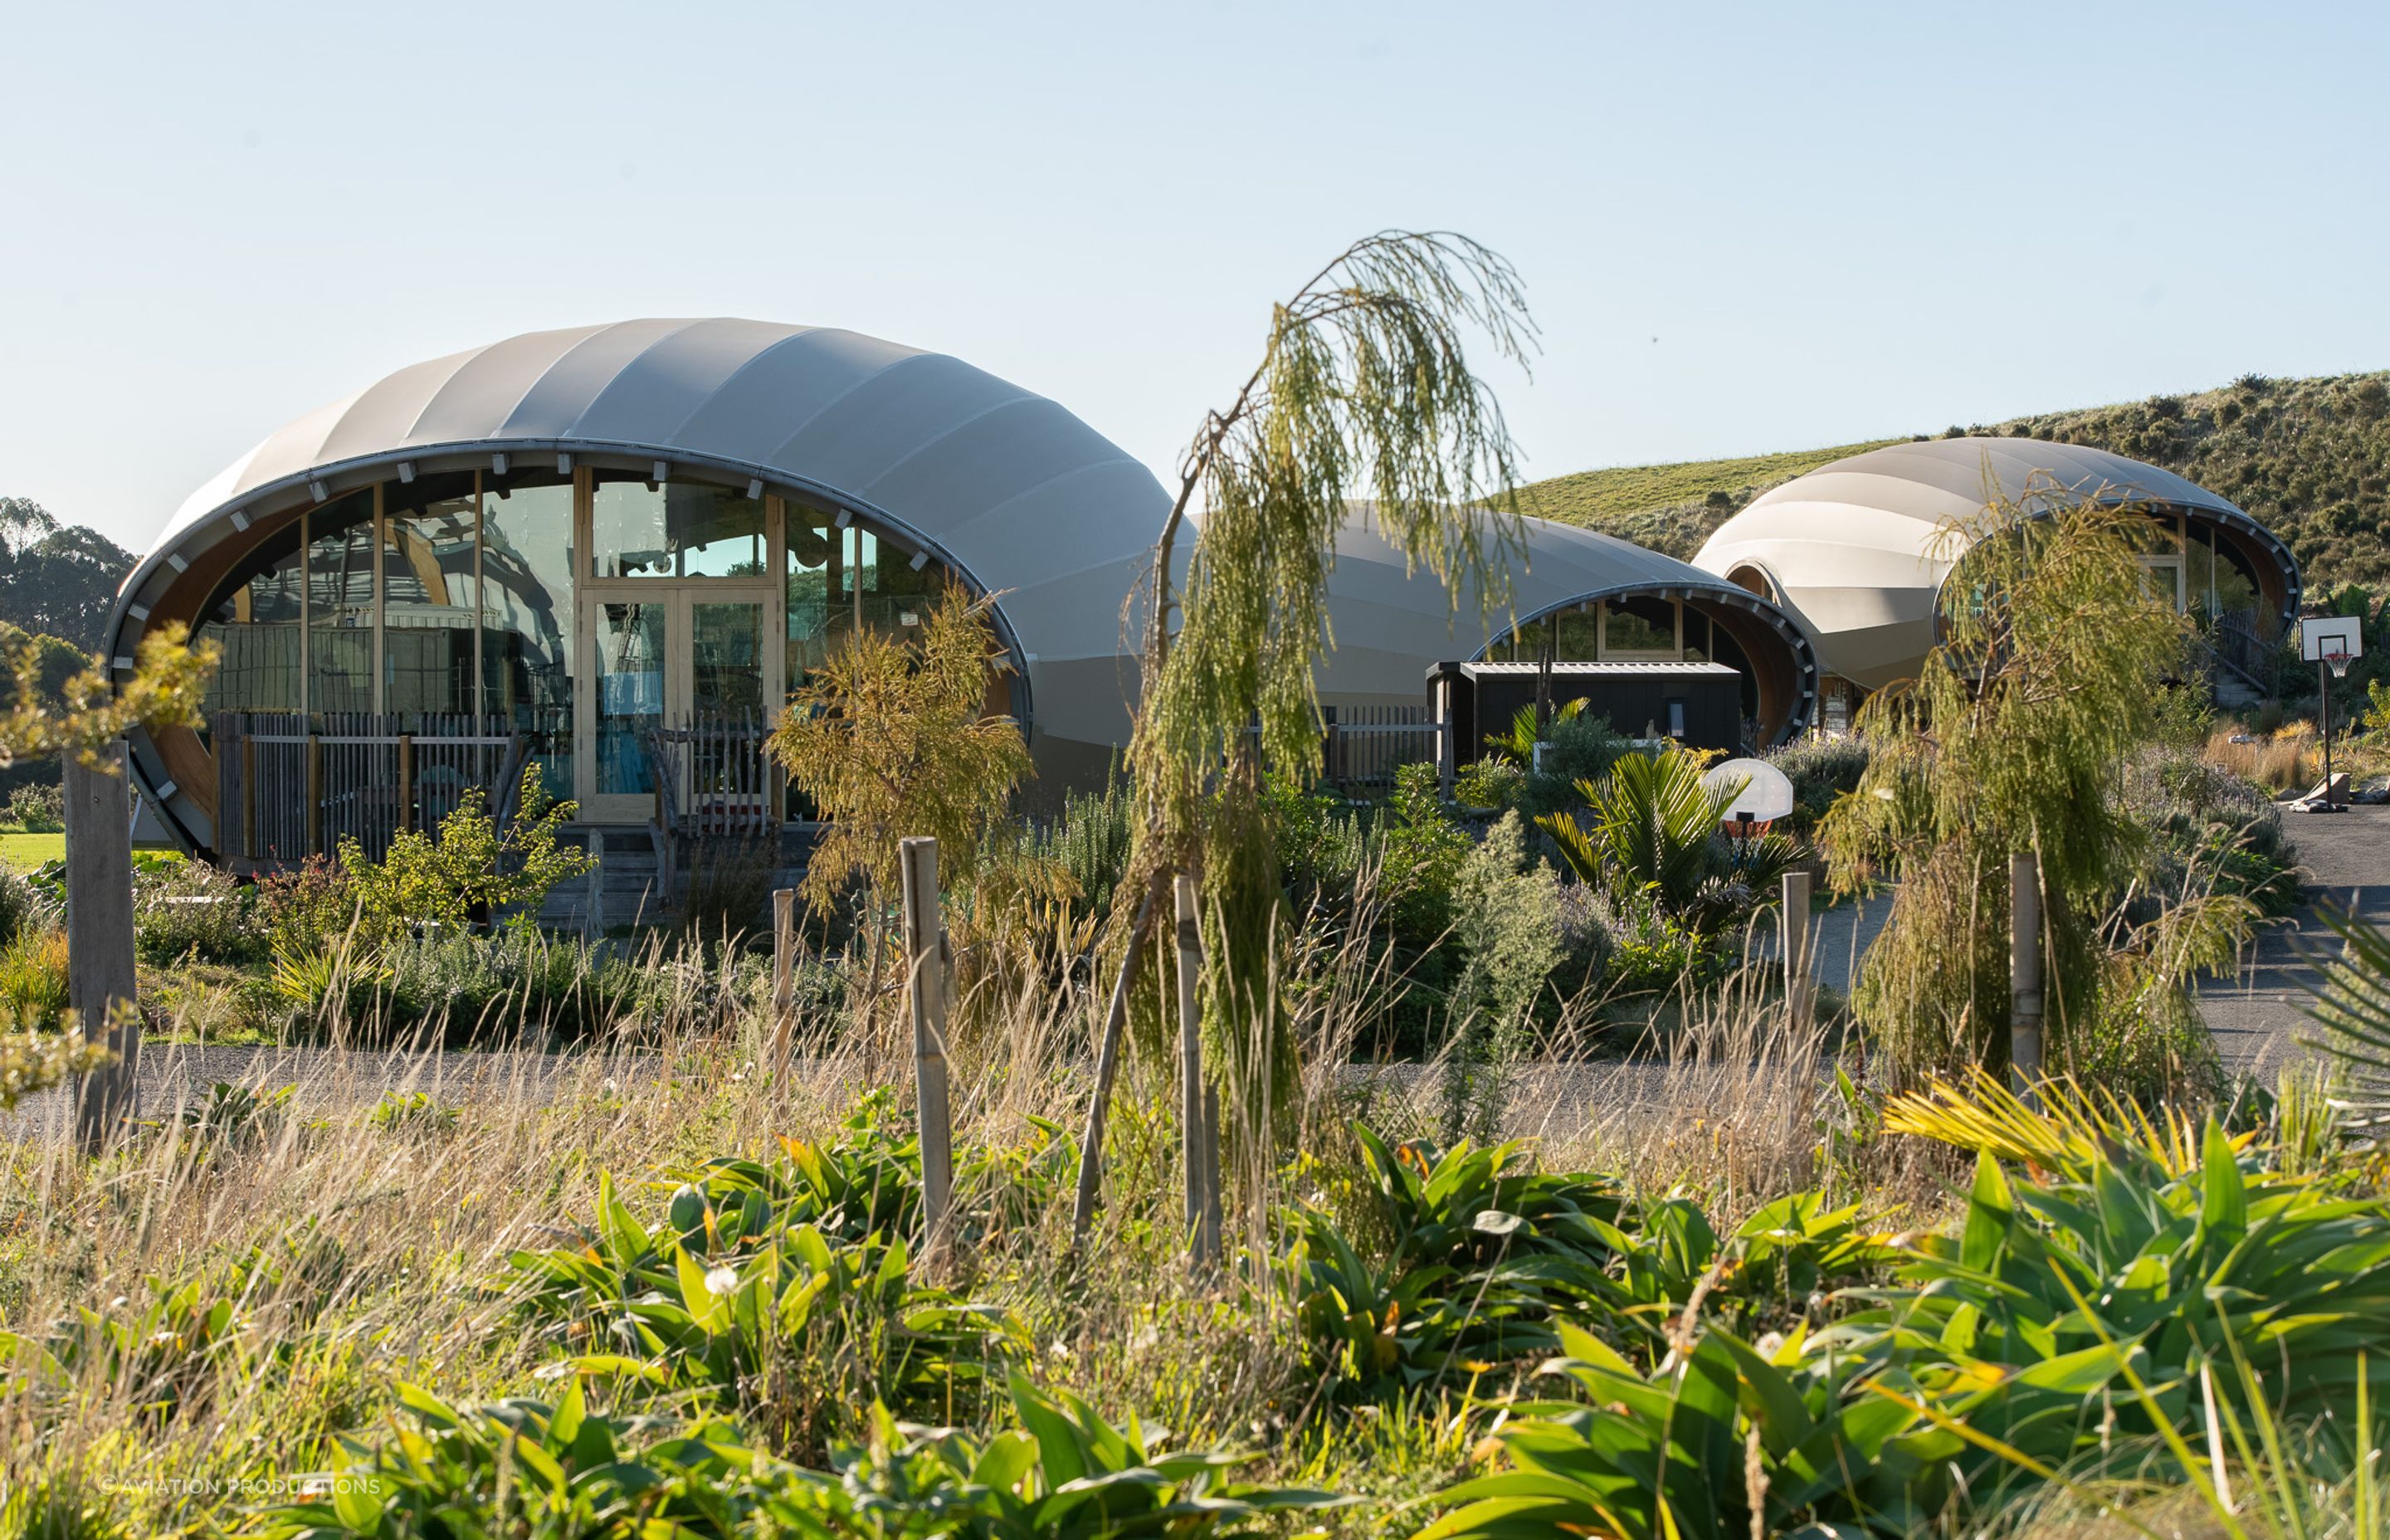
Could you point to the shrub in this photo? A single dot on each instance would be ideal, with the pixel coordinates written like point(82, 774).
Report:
point(1506, 919)
point(191, 910)
point(40, 808)
point(24, 906)
point(34, 979)
point(308, 909)
point(1088, 840)
point(466, 870)
point(519, 979)
point(1651, 953)
point(1584, 934)
point(1820, 769)
point(1576, 748)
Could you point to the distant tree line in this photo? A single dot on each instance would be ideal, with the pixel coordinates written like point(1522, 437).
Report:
point(57, 579)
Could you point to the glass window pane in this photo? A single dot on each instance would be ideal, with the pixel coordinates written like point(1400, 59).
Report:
point(727, 659)
point(255, 618)
point(339, 605)
point(817, 571)
point(1640, 626)
point(527, 618)
point(1578, 629)
point(681, 528)
point(427, 595)
point(630, 695)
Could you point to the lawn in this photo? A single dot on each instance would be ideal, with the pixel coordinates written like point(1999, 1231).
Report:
point(25, 852)
point(1600, 498)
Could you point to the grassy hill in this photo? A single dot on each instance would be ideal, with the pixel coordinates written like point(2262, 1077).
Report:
point(2308, 457)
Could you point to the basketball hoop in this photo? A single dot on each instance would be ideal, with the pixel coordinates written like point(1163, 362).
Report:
point(2336, 658)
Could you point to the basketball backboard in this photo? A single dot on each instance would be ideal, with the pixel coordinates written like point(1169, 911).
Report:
point(2322, 636)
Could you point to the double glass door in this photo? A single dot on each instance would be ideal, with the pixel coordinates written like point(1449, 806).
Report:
point(666, 656)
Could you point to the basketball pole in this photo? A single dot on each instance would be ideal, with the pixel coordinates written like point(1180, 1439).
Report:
point(2323, 699)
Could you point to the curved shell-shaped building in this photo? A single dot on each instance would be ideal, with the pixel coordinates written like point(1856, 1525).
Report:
point(570, 538)
point(1588, 598)
point(1859, 548)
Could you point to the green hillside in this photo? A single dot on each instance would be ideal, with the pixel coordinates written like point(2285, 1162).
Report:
point(2308, 457)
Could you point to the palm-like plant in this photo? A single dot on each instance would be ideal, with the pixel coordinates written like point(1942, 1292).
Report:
point(1517, 742)
point(1655, 835)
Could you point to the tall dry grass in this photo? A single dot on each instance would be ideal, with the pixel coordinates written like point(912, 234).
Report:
point(2290, 759)
point(391, 1235)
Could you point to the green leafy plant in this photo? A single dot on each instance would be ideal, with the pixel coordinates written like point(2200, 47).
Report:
point(519, 1468)
point(1654, 836)
point(1506, 914)
point(1483, 1251)
point(233, 1112)
point(467, 869)
point(1517, 743)
point(192, 911)
point(412, 1112)
point(38, 809)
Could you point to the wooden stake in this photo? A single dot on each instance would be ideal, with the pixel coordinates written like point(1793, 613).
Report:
point(926, 988)
point(1191, 1120)
point(1797, 989)
point(784, 973)
point(1208, 1234)
point(2025, 972)
point(100, 940)
point(1108, 1057)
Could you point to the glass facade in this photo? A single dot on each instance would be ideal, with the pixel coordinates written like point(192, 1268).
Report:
point(527, 636)
point(838, 584)
point(630, 640)
point(256, 621)
point(453, 596)
point(675, 529)
point(1627, 629)
point(427, 595)
point(341, 605)
point(1639, 628)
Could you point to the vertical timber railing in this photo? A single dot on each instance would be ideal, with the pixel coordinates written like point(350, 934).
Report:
point(1363, 746)
point(288, 788)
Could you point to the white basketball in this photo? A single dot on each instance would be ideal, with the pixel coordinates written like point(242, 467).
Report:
point(1761, 792)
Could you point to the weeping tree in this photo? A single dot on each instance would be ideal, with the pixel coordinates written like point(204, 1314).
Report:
point(2015, 736)
point(1363, 390)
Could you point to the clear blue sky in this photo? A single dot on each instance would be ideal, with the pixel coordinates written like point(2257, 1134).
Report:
point(1742, 230)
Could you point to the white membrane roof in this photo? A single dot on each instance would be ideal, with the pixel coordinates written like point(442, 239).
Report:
point(1859, 547)
point(1005, 485)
